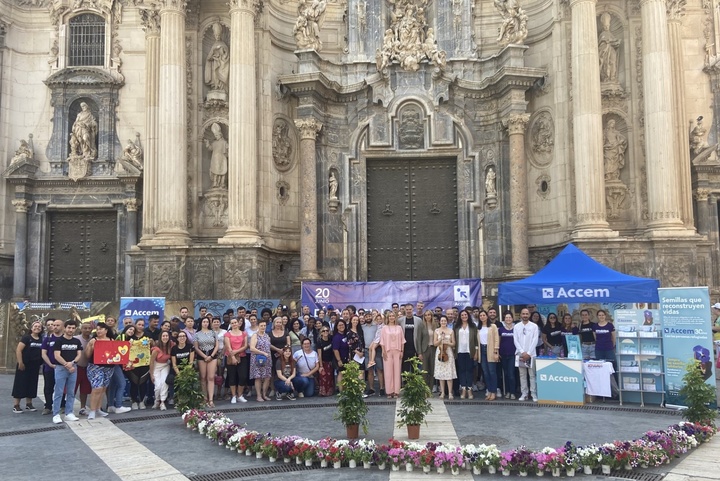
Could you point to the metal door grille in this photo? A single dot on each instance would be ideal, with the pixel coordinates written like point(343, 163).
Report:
point(87, 40)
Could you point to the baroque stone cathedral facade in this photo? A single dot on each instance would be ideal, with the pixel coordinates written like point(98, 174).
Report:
point(230, 148)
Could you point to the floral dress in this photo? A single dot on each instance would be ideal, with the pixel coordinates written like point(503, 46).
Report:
point(444, 371)
point(257, 371)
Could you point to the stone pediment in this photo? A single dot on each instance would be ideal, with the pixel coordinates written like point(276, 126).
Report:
point(82, 76)
point(23, 169)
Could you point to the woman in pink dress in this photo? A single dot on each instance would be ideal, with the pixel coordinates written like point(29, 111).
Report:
point(392, 340)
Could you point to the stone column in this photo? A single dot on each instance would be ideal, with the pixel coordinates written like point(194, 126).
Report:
point(703, 210)
point(518, 195)
point(131, 206)
point(151, 24)
point(242, 135)
point(675, 11)
point(587, 124)
point(663, 197)
point(171, 208)
point(309, 129)
point(20, 262)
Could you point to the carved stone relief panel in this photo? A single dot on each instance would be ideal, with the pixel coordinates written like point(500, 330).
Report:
point(236, 279)
point(202, 278)
point(615, 150)
point(540, 143)
point(164, 280)
point(411, 127)
point(284, 145)
point(673, 270)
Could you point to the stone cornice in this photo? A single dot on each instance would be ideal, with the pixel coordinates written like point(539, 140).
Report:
point(88, 76)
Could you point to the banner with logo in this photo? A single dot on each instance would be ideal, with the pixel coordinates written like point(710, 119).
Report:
point(687, 335)
point(141, 307)
point(219, 307)
point(560, 381)
point(380, 295)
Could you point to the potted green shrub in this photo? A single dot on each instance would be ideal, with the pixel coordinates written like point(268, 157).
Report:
point(352, 410)
point(414, 404)
point(698, 395)
point(188, 394)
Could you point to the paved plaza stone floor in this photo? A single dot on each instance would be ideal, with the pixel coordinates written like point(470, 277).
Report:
point(153, 445)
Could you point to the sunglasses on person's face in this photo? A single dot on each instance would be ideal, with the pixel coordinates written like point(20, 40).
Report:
point(324, 330)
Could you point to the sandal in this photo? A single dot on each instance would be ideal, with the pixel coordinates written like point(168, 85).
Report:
point(451, 397)
point(211, 405)
point(260, 400)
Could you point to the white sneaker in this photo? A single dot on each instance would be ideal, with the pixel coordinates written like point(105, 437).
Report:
point(163, 407)
point(233, 400)
point(142, 405)
point(122, 410)
point(523, 397)
point(242, 399)
point(499, 393)
point(157, 404)
point(57, 419)
point(91, 415)
point(111, 409)
point(102, 413)
point(134, 406)
point(71, 417)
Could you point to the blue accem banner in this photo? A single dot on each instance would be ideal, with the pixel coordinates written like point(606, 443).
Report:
point(687, 335)
point(141, 307)
point(380, 295)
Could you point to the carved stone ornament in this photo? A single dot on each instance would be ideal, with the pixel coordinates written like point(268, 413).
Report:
point(309, 128)
point(411, 129)
point(215, 208)
point(513, 28)
point(25, 154)
point(283, 146)
point(541, 139)
point(131, 161)
point(614, 146)
point(311, 14)
point(132, 205)
point(697, 136)
point(616, 192)
point(409, 41)
point(676, 9)
point(491, 187)
point(78, 168)
point(150, 20)
point(21, 205)
point(217, 65)
point(283, 191)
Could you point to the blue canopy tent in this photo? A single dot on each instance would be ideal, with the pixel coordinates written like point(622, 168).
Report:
point(573, 276)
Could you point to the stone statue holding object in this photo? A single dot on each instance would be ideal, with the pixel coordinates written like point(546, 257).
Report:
point(219, 158)
point(217, 64)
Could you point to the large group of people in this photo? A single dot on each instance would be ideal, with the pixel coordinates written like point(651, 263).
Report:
point(283, 354)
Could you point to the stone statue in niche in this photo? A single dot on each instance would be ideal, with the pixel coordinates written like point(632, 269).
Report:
point(281, 145)
point(333, 185)
point(608, 47)
point(217, 65)
point(697, 136)
point(311, 14)
point(84, 134)
point(513, 28)
point(490, 188)
point(614, 146)
point(25, 153)
point(409, 41)
point(133, 152)
point(219, 158)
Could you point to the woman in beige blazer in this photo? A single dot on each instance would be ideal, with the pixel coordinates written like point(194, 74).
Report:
point(489, 343)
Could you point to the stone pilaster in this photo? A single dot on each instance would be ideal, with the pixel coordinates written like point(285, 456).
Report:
point(309, 129)
point(171, 207)
point(587, 124)
point(151, 24)
point(663, 196)
point(675, 12)
point(518, 194)
point(20, 262)
point(131, 206)
point(242, 135)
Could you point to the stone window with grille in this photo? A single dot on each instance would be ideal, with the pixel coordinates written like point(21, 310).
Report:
point(86, 42)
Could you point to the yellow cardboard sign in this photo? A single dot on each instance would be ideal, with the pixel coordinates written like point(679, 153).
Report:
point(140, 352)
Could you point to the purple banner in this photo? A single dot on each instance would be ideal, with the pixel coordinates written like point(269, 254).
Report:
point(380, 295)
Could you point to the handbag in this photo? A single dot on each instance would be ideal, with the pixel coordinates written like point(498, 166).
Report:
point(261, 359)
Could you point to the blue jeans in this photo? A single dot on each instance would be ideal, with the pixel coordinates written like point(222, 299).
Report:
point(489, 370)
point(608, 355)
point(64, 382)
point(281, 387)
point(508, 369)
point(305, 385)
point(465, 370)
point(116, 390)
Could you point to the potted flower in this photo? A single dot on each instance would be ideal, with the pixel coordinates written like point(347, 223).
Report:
point(607, 457)
point(380, 456)
point(268, 448)
point(444, 455)
point(396, 456)
point(472, 456)
point(457, 460)
point(352, 410)
point(590, 457)
point(490, 457)
point(426, 459)
point(572, 459)
point(414, 404)
point(337, 453)
point(365, 452)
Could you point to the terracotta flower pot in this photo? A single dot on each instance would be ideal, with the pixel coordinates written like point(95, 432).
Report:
point(352, 431)
point(413, 431)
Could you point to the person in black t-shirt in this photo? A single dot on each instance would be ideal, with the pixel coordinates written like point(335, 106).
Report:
point(66, 353)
